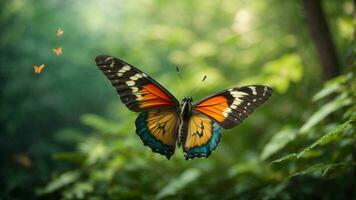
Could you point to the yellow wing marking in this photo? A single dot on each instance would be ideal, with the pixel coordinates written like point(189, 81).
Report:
point(199, 131)
point(162, 125)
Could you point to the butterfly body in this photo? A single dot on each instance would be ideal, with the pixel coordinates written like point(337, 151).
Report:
point(185, 112)
point(164, 123)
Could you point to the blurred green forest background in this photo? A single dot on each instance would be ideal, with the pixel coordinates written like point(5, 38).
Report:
point(66, 135)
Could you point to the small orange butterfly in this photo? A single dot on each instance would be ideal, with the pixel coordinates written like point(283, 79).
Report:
point(59, 32)
point(38, 69)
point(57, 51)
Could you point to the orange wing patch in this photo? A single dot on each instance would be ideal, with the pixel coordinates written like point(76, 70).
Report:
point(150, 95)
point(214, 107)
point(58, 51)
point(38, 69)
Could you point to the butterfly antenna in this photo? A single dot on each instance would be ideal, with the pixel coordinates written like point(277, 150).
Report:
point(195, 89)
point(181, 80)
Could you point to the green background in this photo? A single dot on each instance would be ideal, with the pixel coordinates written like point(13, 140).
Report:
point(66, 135)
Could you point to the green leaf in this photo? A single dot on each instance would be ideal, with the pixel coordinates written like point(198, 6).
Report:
point(309, 151)
point(73, 157)
point(341, 101)
point(321, 169)
point(284, 70)
point(330, 87)
point(277, 142)
point(311, 154)
point(61, 181)
point(96, 150)
point(288, 66)
point(69, 135)
point(178, 184)
point(326, 91)
point(292, 156)
point(331, 136)
point(101, 124)
point(78, 191)
point(251, 167)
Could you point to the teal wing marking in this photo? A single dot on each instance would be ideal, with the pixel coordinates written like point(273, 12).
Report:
point(206, 149)
point(149, 140)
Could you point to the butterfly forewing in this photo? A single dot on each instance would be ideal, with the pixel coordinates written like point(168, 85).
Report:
point(137, 90)
point(230, 107)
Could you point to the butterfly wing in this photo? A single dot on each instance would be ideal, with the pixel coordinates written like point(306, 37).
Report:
point(230, 107)
point(203, 136)
point(58, 51)
point(38, 69)
point(137, 90)
point(158, 130)
point(157, 124)
point(59, 32)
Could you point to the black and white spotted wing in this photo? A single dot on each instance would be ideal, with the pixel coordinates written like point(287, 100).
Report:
point(137, 90)
point(230, 107)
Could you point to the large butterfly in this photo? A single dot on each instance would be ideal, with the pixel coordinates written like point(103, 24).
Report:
point(163, 122)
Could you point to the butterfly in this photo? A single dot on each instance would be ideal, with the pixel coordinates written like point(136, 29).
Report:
point(38, 69)
point(164, 123)
point(60, 32)
point(58, 51)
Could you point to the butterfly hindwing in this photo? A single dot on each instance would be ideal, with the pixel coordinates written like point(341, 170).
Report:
point(230, 107)
point(137, 90)
point(158, 130)
point(203, 136)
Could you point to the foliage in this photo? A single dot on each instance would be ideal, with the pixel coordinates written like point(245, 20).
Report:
point(65, 134)
point(114, 162)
